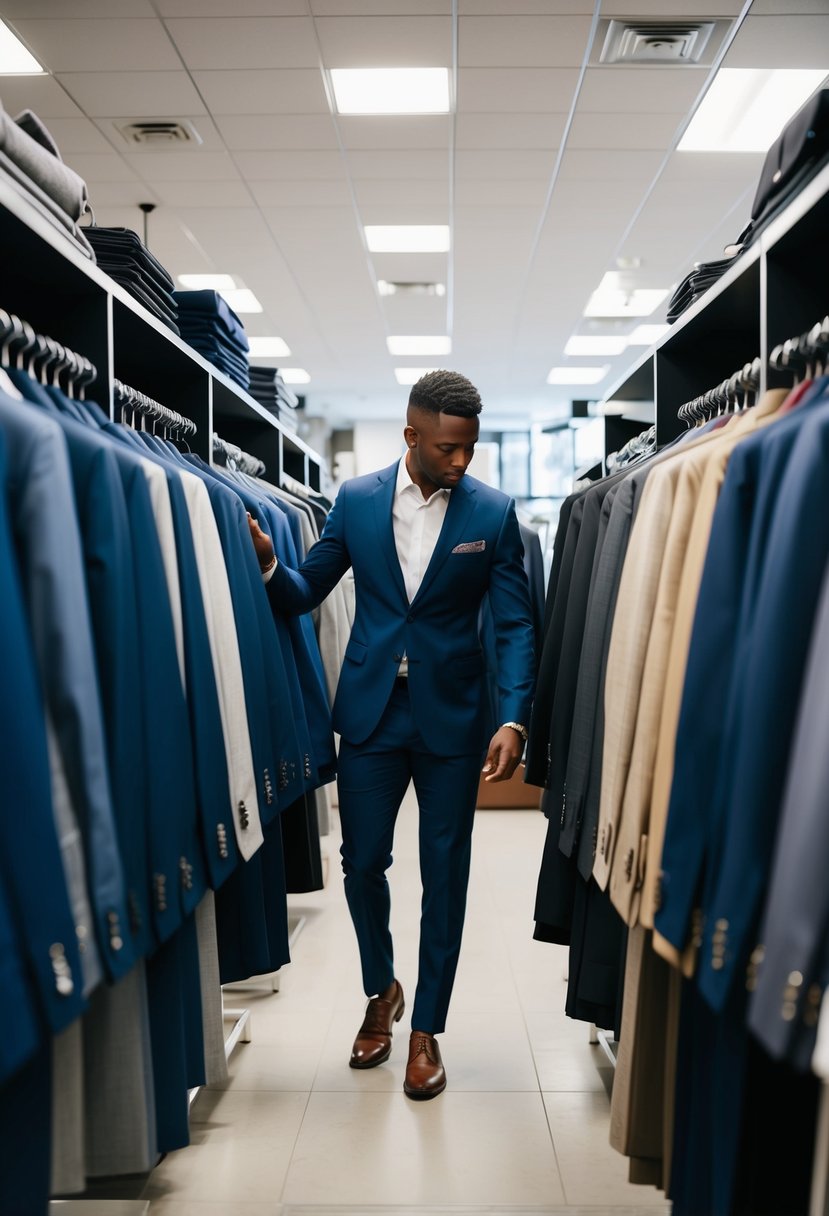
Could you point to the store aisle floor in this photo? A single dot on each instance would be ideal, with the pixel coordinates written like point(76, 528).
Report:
point(522, 1127)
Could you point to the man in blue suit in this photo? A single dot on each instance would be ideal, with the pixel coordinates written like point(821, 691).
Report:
point(426, 544)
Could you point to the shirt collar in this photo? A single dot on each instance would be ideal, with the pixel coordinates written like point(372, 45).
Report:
point(405, 485)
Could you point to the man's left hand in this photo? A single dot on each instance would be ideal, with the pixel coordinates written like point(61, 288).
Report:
point(504, 754)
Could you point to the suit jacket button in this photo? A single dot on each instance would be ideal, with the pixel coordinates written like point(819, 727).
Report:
point(409, 618)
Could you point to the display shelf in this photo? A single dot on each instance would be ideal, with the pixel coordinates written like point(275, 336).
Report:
point(49, 283)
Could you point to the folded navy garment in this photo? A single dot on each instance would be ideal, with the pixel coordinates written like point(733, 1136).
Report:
point(210, 304)
point(39, 162)
point(216, 351)
point(125, 245)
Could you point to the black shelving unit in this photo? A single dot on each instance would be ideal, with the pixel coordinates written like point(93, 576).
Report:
point(49, 283)
point(775, 290)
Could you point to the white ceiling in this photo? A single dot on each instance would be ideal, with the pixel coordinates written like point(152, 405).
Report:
point(279, 188)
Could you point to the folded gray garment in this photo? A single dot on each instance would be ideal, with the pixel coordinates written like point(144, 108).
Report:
point(29, 122)
point(51, 175)
point(47, 206)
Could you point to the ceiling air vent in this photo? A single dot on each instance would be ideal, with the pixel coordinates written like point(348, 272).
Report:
point(667, 42)
point(160, 133)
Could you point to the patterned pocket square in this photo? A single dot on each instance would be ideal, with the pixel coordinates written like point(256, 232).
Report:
point(470, 546)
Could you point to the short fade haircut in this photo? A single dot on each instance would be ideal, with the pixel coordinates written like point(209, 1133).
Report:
point(444, 392)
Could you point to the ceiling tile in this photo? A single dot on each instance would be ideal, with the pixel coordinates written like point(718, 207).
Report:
point(408, 212)
point(610, 165)
point(331, 220)
point(616, 90)
point(246, 42)
point(405, 131)
point(289, 91)
point(43, 94)
point(428, 192)
point(287, 164)
point(380, 8)
point(193, 194)
point(509, 130)
point(504, 163)
point(472, 192)
point(293, 193)
point(389, 42)
point(519, 218)
point(76, 135)
point(698, 169)
point(232, 8)
point(122, 194)
point(102, 167)
point(780, 42)
point(623, 130)
point(175, 166)
point(410, 267)
point(787, 8)
point(415, 164)
point(77, 8)
point(552, 8)
point(133, 94)
point(515, 90)
point(657, 8)
point(516, 41)
point(252, 132)
point(76, 46)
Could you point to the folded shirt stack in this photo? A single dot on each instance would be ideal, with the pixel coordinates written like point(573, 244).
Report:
point(212, 328)
point(31, 161)
point(695, 284)
point(270, 390)
point(123, 255)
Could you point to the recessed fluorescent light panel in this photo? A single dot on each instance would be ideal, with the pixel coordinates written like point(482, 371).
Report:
point(207, 282)
point(583, 345)
point(646, 335)
point(419, 344)
point(407, 238)
point(386, 288)
point(242, 299)
point(612, 298)
point(294, 375)
point(15, 60)
point(746, 108)
point(391, 90)
point(263, 348)
point(411, 375)
point(577, 375)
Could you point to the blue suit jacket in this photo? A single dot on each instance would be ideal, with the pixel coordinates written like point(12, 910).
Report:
point(438, 630)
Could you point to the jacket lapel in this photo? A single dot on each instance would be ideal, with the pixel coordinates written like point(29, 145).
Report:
point(461, 505)
point(383, 501)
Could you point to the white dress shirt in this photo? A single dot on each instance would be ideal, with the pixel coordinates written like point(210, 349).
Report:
point(416, 522)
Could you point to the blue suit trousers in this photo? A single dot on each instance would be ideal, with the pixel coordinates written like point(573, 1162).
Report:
point(372, 780)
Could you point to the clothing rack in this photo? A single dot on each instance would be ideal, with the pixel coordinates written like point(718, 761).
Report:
point(735, 392)
point(130, 399)
point(40, 355)
point(805, 355)
point(235, 458)
point(640, 445)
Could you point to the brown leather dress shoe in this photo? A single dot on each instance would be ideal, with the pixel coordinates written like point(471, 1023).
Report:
point(373, 1043)
point(425, 1074)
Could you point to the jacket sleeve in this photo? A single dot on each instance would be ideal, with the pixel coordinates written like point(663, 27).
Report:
point(509, 596)
point(293, 592)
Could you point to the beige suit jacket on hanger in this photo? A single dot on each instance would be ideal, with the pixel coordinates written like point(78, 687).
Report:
point(632, 625)
point(646, 1065)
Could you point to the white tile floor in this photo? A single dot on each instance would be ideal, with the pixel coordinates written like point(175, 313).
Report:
point(522, 1128)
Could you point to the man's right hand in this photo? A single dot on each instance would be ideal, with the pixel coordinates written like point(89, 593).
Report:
point(261, 543)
